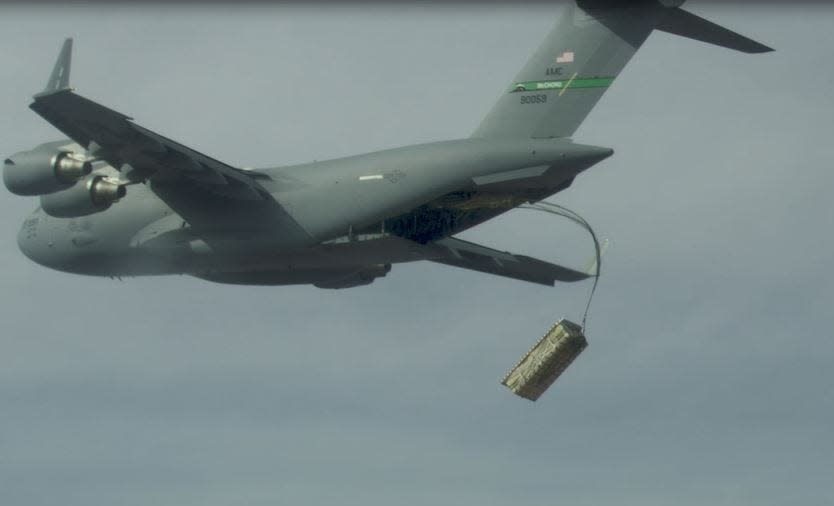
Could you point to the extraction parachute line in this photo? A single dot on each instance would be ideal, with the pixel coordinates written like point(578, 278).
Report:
point(564, 212)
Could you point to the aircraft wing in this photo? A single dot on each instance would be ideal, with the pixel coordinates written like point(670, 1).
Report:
point(206, 192)
point(115, 138)
point(467, 255)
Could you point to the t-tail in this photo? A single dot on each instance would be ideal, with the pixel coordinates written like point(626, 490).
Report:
point(583, 55)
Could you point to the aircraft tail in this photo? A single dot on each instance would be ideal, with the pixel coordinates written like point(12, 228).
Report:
point(580, 58)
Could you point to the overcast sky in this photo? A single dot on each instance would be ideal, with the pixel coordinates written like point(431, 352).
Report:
point(708, 377)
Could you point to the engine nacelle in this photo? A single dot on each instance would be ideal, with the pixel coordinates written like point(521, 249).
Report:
point(365, 276)
point(44, 170)
point(88, 196)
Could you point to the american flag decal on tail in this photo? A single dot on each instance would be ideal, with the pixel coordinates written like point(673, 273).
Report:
point(566, 57)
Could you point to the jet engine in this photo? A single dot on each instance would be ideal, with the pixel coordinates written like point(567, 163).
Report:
point(365, 276)
point(90, 195)
point(45, 169)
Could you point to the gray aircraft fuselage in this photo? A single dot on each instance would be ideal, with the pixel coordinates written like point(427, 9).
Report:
point(333, 227)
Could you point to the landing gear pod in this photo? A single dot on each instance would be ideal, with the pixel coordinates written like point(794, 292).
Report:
point(546, 361)
point(92, 195)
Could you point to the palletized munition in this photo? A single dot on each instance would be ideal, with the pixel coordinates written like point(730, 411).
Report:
point(545, 361)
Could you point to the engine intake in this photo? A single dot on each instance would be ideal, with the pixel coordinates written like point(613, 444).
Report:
point(91, 195)
point(44, 170)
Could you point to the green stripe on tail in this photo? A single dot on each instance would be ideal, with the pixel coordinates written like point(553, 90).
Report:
point(579, 82)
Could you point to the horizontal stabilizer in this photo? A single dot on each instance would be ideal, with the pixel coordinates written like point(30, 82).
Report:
point(467, 255)
point(686, 24)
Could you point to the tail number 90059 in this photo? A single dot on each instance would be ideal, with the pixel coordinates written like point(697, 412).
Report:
point(533, 99)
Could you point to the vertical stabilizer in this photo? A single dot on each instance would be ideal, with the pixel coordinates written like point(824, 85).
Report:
point(582, 56)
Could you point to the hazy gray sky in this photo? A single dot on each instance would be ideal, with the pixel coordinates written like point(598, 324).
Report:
point(708, 378)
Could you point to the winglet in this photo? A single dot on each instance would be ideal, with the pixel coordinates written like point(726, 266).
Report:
point(59, 79)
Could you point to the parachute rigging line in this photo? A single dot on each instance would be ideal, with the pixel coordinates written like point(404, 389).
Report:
point(564, 212)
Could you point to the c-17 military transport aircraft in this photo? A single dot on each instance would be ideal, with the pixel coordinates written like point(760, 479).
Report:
point(117, 199)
